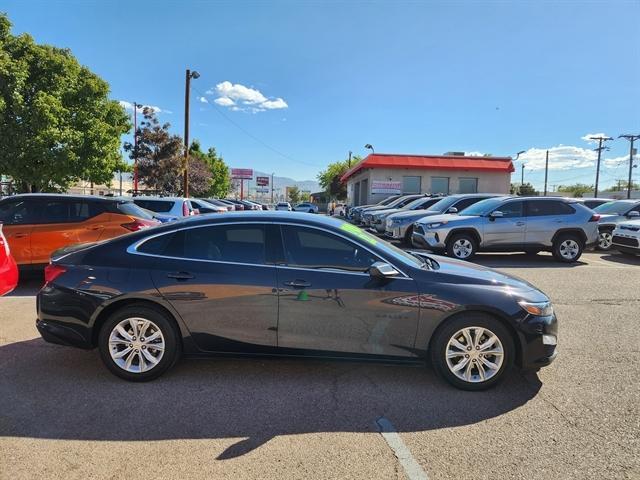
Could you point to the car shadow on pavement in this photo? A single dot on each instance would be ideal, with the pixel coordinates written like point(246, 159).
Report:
point(54, 392)
point(620, 258)
point(523, 260)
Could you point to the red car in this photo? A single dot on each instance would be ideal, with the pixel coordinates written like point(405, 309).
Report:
point(8, 267)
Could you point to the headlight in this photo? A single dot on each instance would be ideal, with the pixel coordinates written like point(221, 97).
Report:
point(436, 224)
point(539, 309)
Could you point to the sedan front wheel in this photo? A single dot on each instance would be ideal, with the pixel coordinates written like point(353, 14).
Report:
point(472, 351)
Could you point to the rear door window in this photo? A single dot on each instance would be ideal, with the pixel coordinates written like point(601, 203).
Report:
point(226, 243)
point(64, 211)
point(548, 207)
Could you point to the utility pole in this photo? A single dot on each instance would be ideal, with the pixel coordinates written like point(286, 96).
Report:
point(546, 172)
point(631, 138)
point(187, 87)
point(135, 150)
point(600, 148)
point(521, 176)
point(272, 187)
point(349, 164)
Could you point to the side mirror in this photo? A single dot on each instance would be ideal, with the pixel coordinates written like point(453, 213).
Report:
point(452, 210)
point(633, 214)
point(382, 270)
point(496, 214)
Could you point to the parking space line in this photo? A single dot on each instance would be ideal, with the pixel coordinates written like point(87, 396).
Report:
point(411, 468)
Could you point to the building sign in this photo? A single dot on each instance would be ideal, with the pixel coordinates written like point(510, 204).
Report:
point(242, 173)
point(262, 181)
point(386, 187)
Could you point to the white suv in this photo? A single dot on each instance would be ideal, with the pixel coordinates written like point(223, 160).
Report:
point(626, 237)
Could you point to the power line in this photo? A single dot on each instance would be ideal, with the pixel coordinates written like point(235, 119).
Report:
point(249, 134)
point(600, 148)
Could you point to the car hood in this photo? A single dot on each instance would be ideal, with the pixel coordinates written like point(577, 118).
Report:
point(462, 272)
point(374, 209)
point(451, 218)
point(387, 211)
point(412, 215)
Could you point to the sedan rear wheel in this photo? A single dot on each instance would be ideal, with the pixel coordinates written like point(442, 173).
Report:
point(138, 343)
point(472, 351)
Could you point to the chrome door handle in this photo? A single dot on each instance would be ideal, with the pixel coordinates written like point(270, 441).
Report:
point(519, 224)
point(298, 284)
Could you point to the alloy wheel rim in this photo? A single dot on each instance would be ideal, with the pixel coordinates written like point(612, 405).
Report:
point(569, 249)
point(462, 248)
point(136, 345)
point(606, 240)
point(474, 354)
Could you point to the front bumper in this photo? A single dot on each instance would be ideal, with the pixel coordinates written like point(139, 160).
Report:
point(539, 339)
point(426, 238)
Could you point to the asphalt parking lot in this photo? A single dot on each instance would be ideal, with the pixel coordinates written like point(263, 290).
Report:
point(64, 416)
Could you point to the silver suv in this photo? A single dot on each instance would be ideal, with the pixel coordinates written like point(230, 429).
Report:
point(531, 224)
point(399, 226)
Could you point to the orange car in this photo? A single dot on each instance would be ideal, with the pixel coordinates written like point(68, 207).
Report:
point(35, 225)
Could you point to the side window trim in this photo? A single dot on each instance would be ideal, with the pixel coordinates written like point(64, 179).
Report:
point(133, 248)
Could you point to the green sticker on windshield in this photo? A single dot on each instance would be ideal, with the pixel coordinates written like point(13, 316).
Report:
point(347, 227)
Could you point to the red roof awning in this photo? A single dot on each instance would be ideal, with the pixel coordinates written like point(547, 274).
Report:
point(432, 162)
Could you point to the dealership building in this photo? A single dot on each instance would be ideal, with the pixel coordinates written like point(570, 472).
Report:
point(381, 174)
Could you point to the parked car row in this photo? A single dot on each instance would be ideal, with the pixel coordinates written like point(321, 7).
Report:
point(462, 225)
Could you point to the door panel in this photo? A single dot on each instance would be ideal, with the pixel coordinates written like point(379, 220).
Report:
point(19, 240)
point(228, 307)
point(17, 216)
point(328, 303)
point(508, 230)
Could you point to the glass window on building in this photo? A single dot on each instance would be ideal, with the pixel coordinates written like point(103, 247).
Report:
point(440, 185)
point(411, 184)
point(468, 185)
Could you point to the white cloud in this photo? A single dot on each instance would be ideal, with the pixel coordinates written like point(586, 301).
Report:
point(224, 101)
point(241, 98)
point(203, 100)
point(129, 106)
point(474, 154)
point(617, 161)
point(587, 137)
point(566, 157)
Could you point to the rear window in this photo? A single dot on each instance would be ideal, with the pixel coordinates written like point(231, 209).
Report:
point(159, 206)
point(614, 208)
point(130, 208)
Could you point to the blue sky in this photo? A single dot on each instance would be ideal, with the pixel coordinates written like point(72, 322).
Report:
point(296, 85)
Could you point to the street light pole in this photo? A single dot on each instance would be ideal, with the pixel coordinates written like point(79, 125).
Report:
point(187, 88)
point(631, 138)
point(546, 172)
point(135, 150)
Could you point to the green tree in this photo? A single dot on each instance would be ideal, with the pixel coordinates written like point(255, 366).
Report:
point(220, 182)
point(329, 179)
point(161, 159)
point(621, 185)
point(57, 122)
point(578, 189)
point(294, 194)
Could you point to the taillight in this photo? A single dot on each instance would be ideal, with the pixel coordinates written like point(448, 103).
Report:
point(185, 209)
point(594, 218)
point(53, 271)
point(135, 225)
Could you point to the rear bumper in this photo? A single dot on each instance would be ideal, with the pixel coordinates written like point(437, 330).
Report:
point(62, 335)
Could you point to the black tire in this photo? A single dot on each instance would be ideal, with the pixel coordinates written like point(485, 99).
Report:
point(560, 246)
point(166, 325)
point(467, 240)
point(440, 340)
point(608, 232)
point(407, 237)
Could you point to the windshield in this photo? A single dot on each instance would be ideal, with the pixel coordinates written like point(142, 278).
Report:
point(389, 249)
point(482, 207)
point(443, 204)
point(130, 208)
point(388, 200)
point(159, 206)
point(614, 208)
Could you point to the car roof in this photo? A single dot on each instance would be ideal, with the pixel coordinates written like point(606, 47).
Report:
point(68, 196)
point(171, 199)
